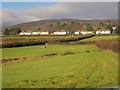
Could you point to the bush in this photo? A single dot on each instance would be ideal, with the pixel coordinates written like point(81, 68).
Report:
point(109, 45)
point(21, 42)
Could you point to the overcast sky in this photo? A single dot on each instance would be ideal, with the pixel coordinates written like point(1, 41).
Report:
point(60, 0)
point(14, 13)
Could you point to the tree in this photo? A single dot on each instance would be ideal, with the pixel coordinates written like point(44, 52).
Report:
point(117, 30)
point(101, 24)
point(18, 30)
point(39, 28)
point(63, 25)
point(14, 31)
point(110, 28)
point(89, 27)
point(51, 25)
point(98, 28)
point(6, 31)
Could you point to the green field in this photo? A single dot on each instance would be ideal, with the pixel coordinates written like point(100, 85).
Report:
point(71, 66)
point(95, 38)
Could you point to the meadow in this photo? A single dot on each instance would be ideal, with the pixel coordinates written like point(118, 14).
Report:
point(96, 38)
point(60, 66)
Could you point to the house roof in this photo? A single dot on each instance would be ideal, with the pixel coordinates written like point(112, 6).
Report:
point(103, 30)
point(62, 30)
point(80, 30)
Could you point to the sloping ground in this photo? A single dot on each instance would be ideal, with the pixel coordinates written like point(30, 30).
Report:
point(86, 67)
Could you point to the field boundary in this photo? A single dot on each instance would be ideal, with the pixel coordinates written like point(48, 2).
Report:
point(8, 43)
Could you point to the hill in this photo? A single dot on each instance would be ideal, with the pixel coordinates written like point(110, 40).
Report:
point(70, 25)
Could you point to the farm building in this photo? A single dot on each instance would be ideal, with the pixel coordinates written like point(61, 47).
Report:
point(44, 33)
point(62, 32)
point(35, 33)
point(83, 32)
point(86, 32)
point(25, 33)
point(77, 32)
point(103, 32)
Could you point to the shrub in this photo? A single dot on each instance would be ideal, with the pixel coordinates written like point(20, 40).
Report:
point(21, 42)
point(108, 45)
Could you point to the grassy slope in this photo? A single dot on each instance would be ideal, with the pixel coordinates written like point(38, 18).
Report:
point(82, 69)
point(95, 38)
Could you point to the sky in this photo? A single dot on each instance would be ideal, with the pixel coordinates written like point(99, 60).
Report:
point(20, 12)
point(60, 0)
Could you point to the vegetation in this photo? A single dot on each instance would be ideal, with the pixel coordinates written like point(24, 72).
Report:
point(117, 31)
point(18, 42)
point(109, 45)
point(71, 67)
point(6, 31)
point(61, 66)
point(109, 28)
point(89, 27)
point(12, 31)
point(96, 38)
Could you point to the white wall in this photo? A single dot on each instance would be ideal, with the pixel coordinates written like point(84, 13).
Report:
point(76, 32)
point(35, 33)
point(44, 33)
point(87, 32)
point(25, 33)
point(59, 33)
point(102, 32)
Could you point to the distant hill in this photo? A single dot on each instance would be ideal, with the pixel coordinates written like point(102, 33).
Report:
point(70, 25)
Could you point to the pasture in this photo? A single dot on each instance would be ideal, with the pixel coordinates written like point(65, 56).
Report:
point(59, 66)
point(86, 67)
point(96, 38)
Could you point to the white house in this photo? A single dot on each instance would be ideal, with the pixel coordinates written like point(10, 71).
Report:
point(25, 33)
point(62, 32)
point(76, 32)
point(83, 32)
point(35, 33)
point(44, 33)
point(86, 32)
point(103, 32)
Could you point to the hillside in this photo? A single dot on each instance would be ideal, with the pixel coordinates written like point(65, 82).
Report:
point(70, 25)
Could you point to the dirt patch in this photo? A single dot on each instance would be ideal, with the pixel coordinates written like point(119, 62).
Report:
point(50, 54)
point(67, 53)
point(5, 60)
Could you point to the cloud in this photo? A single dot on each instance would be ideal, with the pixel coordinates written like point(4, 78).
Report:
point(61, 10)
point(87, 0)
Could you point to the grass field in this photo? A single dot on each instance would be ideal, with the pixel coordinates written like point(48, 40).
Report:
point(95, 38)
point(83, 66)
